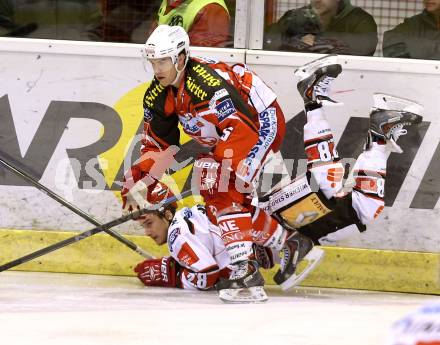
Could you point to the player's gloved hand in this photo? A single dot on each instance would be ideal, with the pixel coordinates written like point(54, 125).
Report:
point(211, 175)
point(159, 272)
point(263, 256)
point(135, 190)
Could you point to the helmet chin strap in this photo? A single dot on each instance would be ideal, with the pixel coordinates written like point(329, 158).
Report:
point(176, 80)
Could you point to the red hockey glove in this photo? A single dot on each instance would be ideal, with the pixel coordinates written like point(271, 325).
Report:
point(135, 189)
point(210, 176)
point(159, 272)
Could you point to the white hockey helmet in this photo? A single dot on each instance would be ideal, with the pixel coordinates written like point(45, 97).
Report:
point(167, 41)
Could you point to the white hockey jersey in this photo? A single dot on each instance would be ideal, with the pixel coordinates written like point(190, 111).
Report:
point(196, 245)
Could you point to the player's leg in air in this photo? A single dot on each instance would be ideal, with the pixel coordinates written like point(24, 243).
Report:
point(316, 205)
point(323, 166)
point(387, 118)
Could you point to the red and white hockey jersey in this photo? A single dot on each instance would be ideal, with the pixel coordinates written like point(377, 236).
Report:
point(196, 245)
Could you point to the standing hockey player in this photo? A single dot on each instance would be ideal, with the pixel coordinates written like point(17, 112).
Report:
point(233, 112)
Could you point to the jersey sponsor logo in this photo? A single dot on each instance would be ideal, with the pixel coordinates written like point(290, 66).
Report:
point(238, 250)
point(289, 194)
point(267, 132)
point(172, 237)
point(195, 88)
point(190, 124)
point(305, 211)
point(187, 213)
point(205, 164)
point(224, 109)
point(207, 77)
point(163, 269)
point(152, 94)
point(228, 226)
point(218, 95)
point(187, 256)
point(148, 115)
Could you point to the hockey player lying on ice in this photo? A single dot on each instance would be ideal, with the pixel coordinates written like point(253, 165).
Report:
point(312, 208)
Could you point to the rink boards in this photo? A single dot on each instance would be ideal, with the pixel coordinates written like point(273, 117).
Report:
point(69, 111)
point(349, 268)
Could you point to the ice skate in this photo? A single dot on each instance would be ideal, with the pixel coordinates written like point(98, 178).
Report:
point(296, 249)
point(388, 117)
point(315, 79)
point(245, 284)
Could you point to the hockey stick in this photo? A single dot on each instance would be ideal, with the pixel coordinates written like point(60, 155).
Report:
point(73, 208)
point(103, 227)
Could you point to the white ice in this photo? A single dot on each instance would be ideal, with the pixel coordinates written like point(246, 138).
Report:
point(64, 309)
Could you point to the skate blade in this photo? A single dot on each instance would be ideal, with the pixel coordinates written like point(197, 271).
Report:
point(255, 294)
point(332, 103)
point(307, 69)
point(389, 102)
point(313, 258)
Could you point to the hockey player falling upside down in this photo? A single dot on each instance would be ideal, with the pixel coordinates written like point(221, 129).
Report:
point(207, 97)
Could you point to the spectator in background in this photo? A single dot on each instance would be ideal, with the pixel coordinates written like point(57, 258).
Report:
point(418, 37)
point(8, 26)
point(120, 19)
point(324, 26)
point(206, 22)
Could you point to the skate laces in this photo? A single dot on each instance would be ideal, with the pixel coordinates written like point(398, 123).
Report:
point(239, 270)
point(323, 86)
point(395, 132)
point(289, 255)
point(284, 258)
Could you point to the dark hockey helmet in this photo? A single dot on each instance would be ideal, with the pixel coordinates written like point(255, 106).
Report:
point(160, 194)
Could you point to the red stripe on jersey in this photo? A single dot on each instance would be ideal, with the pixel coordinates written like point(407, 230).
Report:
point(187, 255)
point(366, 184)
point(312, 153)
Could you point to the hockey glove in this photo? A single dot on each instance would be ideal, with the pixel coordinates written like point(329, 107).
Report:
point(159, 272)
point(135, 189)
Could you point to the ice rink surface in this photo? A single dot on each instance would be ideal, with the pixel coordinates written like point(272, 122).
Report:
point(64, 309)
